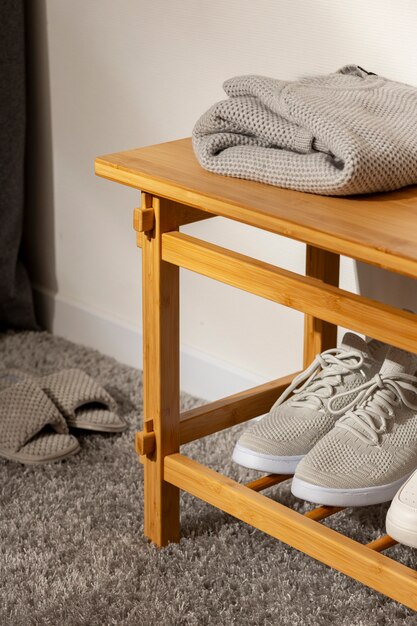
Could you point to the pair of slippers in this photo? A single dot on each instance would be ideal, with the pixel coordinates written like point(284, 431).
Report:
point(37, 412)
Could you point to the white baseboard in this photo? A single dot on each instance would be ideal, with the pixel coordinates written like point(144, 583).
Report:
point(201, 375)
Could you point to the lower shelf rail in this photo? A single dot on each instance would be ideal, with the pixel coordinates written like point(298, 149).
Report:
point(303, 532)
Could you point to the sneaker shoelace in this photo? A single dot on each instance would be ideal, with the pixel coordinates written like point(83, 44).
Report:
point(375, 405)
point(334, 364)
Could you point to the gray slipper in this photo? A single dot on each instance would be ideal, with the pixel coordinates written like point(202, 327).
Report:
point(79, 398)
point(82, 401)
point(31, 428)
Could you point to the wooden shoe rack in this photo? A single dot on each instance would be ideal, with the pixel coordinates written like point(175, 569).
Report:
point(379, 229)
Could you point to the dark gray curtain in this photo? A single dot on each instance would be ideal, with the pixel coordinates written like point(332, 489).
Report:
point(16, 307)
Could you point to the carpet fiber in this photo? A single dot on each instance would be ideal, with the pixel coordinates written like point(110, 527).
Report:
point(72, 550)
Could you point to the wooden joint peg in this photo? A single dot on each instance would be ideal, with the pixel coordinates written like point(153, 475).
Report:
point(145, 443)
point(143, 219)
point(139, 240)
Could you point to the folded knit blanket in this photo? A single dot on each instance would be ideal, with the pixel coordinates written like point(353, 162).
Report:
point(344, 133)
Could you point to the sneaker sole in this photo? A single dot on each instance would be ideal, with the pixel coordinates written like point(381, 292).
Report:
point(363, 496)
point(265, 462)
point(406, 536)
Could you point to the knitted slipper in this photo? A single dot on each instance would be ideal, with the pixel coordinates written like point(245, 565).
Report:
point(82, 401)
point(79, 398)
point(31, 427)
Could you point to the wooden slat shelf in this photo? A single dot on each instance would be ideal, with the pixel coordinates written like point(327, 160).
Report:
point(267, 481)
point(322, 512)
point(383, 543)
point(308, 535)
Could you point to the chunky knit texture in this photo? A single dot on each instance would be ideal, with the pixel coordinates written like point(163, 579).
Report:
point(24, 411)
point(348, 458)
point(293, 427)
point(78, 397)
point(82, 401)
point(31, 428)
point(348, 132)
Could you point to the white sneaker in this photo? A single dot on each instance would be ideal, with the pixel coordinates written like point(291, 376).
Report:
point(278, 441)
point(372, 449)
point(402, 515)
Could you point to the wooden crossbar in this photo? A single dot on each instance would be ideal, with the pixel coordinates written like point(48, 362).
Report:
point(317, 540)
point(382, 543)
point(267, 481)
point(321, 512)
point(316, 514)
point(235, 409)
point(310, 295)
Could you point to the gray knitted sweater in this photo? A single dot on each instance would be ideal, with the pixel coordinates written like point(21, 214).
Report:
point(344, 133)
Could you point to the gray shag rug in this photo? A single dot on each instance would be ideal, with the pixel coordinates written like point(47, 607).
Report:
point(73, 552)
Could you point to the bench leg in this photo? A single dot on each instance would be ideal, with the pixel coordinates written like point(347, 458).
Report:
point(320, 335)
point(160, 288)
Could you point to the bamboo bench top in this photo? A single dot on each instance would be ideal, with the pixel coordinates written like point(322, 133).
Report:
point(380, 229)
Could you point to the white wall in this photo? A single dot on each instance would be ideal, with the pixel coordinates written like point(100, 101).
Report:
point(112, 75)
